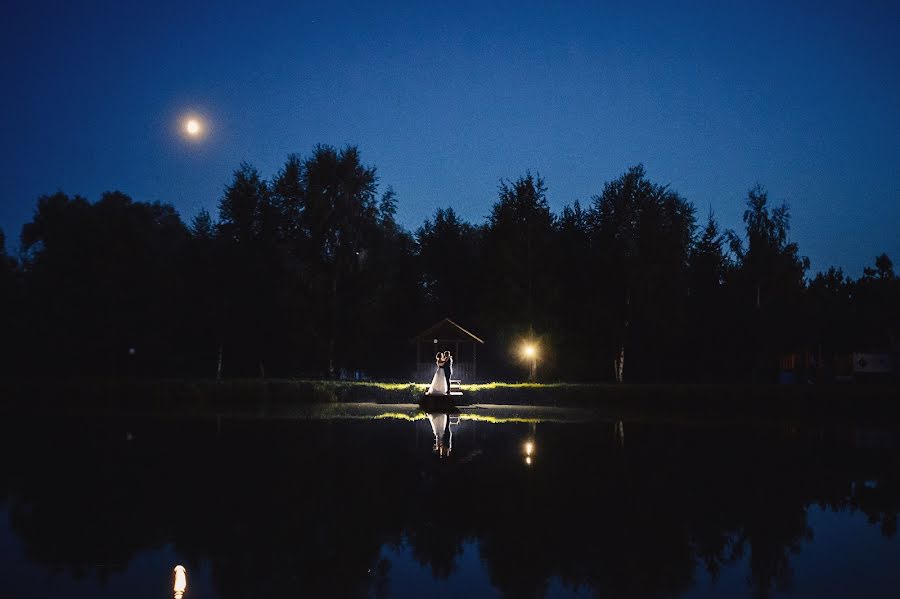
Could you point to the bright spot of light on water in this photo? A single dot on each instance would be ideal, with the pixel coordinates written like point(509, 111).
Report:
point(180, 582)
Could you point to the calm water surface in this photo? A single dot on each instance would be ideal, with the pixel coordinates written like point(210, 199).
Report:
point(355, 502)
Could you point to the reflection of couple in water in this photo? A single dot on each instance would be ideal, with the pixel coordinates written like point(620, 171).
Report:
point(440, 383)
point(443, 434)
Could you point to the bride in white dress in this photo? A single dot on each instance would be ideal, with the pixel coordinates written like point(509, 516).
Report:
point(443, 434)
point(439, 381)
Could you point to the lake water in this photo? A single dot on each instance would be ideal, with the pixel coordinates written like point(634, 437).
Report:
point(344, 501)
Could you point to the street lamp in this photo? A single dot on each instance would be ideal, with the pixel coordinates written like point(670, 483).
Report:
point(530, 353)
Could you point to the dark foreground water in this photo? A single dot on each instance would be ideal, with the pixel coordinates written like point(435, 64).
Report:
point(357, 503)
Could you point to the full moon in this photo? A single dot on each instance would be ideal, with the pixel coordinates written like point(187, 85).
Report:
point(192, 126)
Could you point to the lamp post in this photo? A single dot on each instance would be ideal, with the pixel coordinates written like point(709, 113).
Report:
point(530, 352)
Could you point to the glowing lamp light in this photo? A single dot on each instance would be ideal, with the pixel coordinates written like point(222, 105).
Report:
point(530, 356)
point(180, 582)
point(529, 452)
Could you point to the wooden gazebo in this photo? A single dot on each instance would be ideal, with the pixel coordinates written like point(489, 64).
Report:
point(441, 336)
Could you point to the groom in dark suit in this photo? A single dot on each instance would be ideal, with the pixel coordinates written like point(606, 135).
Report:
point(447, 366)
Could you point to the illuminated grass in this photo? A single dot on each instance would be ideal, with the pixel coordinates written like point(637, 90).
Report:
point(493, 392)
point(469, 387)
point(277, 397)
point(472, 417)
point(371, 384)
point(496, 419)
point(487, 386)
point(399, 416)
point(393, 386)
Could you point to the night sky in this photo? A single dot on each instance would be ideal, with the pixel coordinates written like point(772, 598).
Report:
point(445, 99)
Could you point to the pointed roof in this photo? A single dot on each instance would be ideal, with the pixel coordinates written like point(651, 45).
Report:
point(447, 330)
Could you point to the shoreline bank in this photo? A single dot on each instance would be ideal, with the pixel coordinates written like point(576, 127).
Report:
point(271, 397)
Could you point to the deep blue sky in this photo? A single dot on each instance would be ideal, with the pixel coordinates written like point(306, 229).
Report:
point(447, 98)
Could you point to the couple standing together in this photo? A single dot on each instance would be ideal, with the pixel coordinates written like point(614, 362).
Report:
point(440, 383)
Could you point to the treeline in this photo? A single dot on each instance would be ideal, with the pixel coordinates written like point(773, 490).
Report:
point(309, 274)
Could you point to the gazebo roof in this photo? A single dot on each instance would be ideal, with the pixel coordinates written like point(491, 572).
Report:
point(447, 330)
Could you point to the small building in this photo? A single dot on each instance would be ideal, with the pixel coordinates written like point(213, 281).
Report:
point(836, 366)
point(443, 336)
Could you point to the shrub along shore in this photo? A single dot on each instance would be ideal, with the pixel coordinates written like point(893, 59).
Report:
point(278, 397)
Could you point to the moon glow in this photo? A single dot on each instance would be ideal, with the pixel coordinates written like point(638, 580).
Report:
point(192, 127)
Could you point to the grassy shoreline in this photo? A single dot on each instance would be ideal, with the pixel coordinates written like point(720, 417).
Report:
point(270, 395)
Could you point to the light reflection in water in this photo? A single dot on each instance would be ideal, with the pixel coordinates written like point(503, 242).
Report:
point(695, 535)
point(180, 582)
point(529, 452)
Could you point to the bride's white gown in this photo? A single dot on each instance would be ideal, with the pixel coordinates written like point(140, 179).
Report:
point(438, 383)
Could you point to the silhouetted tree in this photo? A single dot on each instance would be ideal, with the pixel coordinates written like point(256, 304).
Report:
point(202, 226)
point(9, 307)
point(243, 208)
point(389, 297)
point(310, 274)
point(708, 305)
point(643, 233)
point(7, 264)
point(102, 285)
point(876, 296)
point(447, 251)
point(248, 230)
point(830, 326)
point(203, 270)
point(518, 255)
point(578, 282)
point(296, 290)
point(768, 281)
point(339, 216)
point(883, 271)
point(770, 264)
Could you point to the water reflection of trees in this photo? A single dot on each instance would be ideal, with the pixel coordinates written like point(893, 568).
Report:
point(281, 508)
